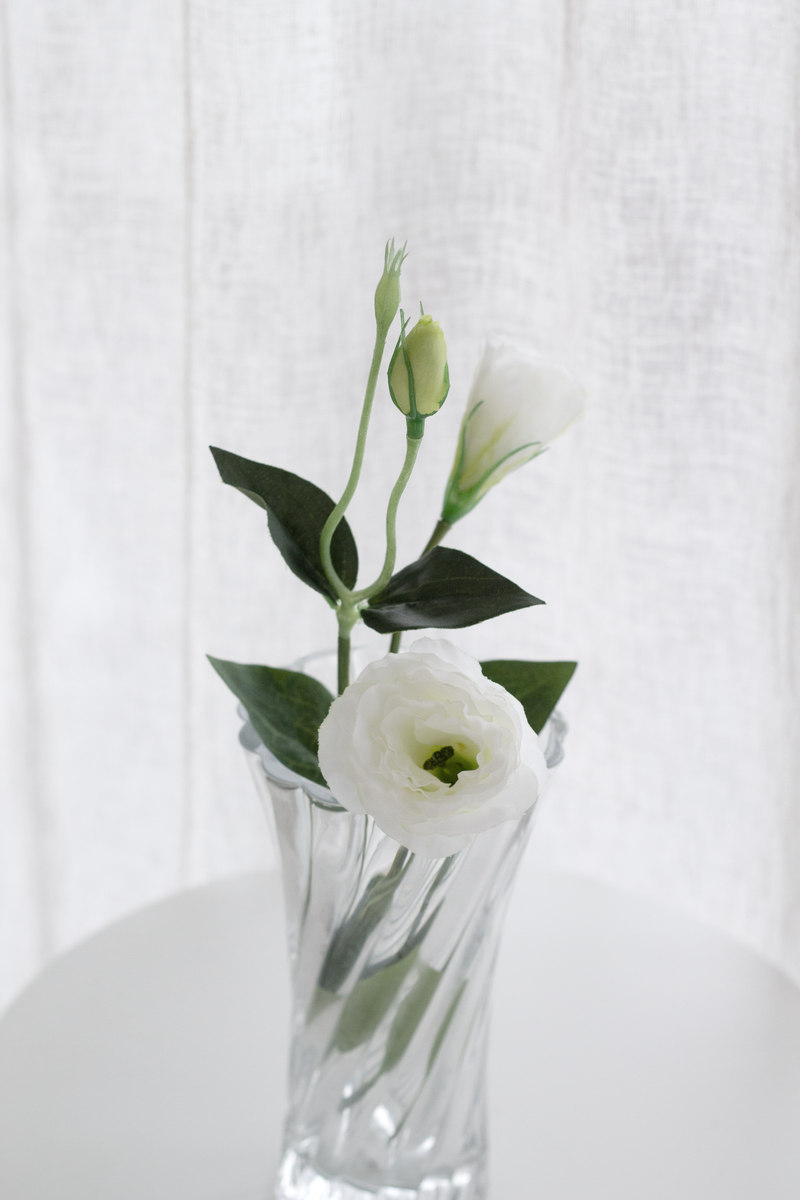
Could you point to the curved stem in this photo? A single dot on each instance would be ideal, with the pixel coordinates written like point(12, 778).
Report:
point(347, 612)
point(333, 520)
point(412, 449)
point(442, 528)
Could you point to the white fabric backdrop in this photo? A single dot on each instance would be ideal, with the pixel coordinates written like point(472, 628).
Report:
point(195, 198)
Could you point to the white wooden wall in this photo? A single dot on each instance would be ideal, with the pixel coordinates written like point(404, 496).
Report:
point(194, 197)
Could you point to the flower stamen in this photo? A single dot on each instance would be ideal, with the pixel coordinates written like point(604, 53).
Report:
point(438, 758)
point(446, 764)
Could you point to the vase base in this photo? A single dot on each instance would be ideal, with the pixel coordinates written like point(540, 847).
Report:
point(299, 1180)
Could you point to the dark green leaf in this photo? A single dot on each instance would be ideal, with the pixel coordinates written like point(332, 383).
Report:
point(349, 939)
point(285, 708)
point(409, 1015)
point(537, 685)
point(296, 513)
point(368, 1002)
point(445, 589)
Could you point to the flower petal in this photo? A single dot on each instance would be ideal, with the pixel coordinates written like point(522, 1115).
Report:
point(379, 733)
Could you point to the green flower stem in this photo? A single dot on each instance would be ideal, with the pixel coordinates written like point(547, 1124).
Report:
point(442, 528)
point(412, 450)
point(352, 602)
point(343, 663)
point(333, 520)
point(349, 602)
point(347, 615)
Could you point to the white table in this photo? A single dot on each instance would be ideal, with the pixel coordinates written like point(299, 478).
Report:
point(636, 1055)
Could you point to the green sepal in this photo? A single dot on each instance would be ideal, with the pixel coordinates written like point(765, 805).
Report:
point(537, 685)
point(412, 413)
point(285, 708)
point(445, 589)
point(458, 503)
point(296, 512)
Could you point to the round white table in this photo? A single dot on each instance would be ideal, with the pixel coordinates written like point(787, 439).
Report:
point(636, 1055)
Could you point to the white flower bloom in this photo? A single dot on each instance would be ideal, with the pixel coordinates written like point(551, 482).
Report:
point(431, 748)
point(519, 402)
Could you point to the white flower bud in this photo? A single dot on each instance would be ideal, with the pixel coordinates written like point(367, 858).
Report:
point(519, 402)
point(427, 357)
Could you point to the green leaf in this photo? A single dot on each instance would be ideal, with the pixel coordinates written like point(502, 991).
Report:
point(320, 1001)
point(368, 1003)
point(445, 589)
point(285, 708)
point(537, 685)
point(296, 513)
point(349, 939)
point(441, 1032)
point(409, 1015)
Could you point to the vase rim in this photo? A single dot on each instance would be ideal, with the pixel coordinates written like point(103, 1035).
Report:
point(285, 777)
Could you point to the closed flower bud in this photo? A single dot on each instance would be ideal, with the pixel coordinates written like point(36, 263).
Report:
point(426, 355)
point(519, 402)
point(387, 293)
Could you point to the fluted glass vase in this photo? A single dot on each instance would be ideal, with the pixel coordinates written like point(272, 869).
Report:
point(391, 963)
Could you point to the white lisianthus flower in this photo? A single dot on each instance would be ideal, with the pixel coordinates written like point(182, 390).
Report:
point(431, 748)
point(519, 402)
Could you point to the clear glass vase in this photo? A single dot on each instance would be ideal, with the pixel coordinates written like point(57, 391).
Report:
point(391, 962)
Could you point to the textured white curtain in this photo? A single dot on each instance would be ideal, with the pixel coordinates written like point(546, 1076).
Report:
point(195, 198)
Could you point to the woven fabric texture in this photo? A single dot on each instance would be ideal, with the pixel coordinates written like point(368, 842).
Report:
point(195, 197)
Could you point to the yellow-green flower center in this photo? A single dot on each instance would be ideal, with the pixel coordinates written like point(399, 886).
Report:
point(447, 763)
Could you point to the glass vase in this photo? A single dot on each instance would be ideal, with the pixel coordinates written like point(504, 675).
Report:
point(391, 960)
